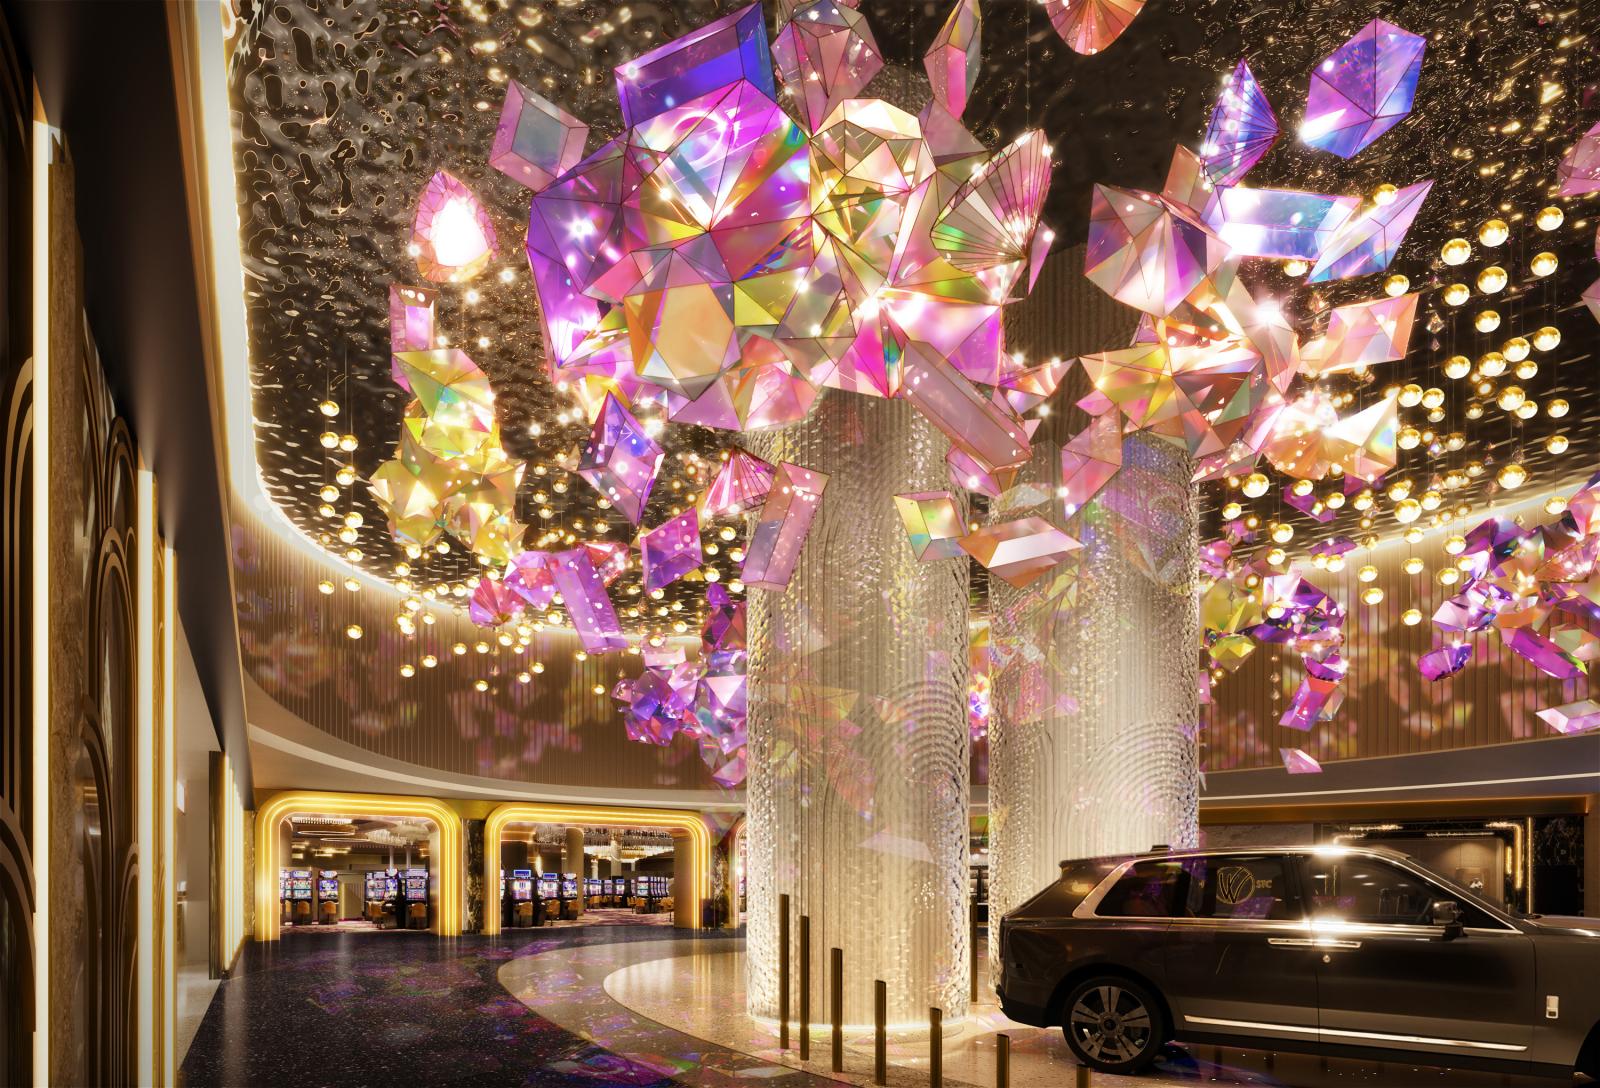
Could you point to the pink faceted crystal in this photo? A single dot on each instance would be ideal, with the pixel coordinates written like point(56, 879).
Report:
point(620, 459)
point(593, 616)
point(1147, 253)
point(743, 481)
point(1018, 552)
point(780, 531)
point(410, 322)
point(987, 431)
point(1579, 171)
point(453, 236)
point(536, 141)
point(1088, 26)
point(1089, 460)
point(824, 55)
point(670, 550)
point(1298, 761)
point(953, 59)
point(1571, 719)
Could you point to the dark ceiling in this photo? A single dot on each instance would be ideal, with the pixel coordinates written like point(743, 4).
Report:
point(104, 74)
point(346, 109)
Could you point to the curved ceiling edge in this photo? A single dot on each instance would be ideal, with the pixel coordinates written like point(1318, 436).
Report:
point(275, 728)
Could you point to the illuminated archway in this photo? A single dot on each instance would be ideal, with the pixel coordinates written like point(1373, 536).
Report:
point(735, 841)
point(688, 824)
point(451, 871)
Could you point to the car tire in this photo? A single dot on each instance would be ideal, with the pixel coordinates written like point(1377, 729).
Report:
point(1113, 1024)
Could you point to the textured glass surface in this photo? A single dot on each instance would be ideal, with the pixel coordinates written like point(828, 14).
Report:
point(858, 784)
point(1092, 745)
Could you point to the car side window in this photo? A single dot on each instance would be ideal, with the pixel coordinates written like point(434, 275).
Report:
point(1151, 889)
point(1368, 891)
point(1254, 887)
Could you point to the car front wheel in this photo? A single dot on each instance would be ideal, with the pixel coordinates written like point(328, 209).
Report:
point(1113, 1024)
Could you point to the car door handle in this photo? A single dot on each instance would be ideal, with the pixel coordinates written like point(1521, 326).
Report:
point(1292, 942)
point(1333, 942)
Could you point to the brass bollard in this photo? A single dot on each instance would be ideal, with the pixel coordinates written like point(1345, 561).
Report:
point(1002, 1061)
point(935, 1048)
point(972, 944)
point(880, 1030)
point(1081, 1078)
point(783, 972)
point(836, 1000)
point(805, 987)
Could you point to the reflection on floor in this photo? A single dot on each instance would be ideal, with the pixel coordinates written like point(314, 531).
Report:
point(196, 987)
point(531, 1008)
point(614, 916)
point(700, 993)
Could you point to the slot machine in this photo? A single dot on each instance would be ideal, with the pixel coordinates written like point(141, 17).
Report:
point(285, 913)
point(301, 894)
point(376, 886)
point(522, 914)
point(327, 897)
point(591, 891)
point(416, 898)
point(569, 895)
point(549, 895)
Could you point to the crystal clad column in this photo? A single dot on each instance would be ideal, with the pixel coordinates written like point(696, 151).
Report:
point(1092, 734)
point(858, 784)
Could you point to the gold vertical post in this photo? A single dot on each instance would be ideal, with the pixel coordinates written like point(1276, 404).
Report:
point(880, 1029)
point(935, 1048)
point(1081, 1077)
point(836, 1003)
point(972, 945)
point(783, 972)
point(805, 987)
point(1002, 1061)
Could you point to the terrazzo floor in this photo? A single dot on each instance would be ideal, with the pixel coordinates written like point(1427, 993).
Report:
point(540, 1007)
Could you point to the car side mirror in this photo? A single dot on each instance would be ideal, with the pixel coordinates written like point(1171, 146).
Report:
point(1446, 913)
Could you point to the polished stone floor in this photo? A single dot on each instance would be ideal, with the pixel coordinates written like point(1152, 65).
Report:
point(599, 1005)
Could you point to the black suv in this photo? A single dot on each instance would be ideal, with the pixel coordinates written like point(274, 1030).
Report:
point(1346, 951)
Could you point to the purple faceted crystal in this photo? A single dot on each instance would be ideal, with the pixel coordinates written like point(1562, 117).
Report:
point(620, 459)
point(1579, 171)
point(724, 51)
point(1543, 654)
point(536, 141)
point(493, 603)
point(1297, 761)
point(1279, 223)
point(1313, 701)
point(781, 529)
point(1572, 718)
point(593, 616)
point(528, 576)
point(1445, 661)
point(1369, 242)
point(670, 550)
point(1242, 128)
point(1363, 88)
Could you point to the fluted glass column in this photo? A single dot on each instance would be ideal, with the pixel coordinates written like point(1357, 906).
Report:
point(1094, 711)
point(858, 784)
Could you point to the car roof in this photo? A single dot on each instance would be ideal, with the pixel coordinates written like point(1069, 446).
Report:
point(1234, 851)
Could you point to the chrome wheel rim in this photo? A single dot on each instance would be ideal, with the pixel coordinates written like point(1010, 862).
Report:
point(1110, 1024)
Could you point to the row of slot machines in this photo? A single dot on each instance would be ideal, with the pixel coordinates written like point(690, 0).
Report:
point(312, 896)
point(309, 896)
point(528, 899)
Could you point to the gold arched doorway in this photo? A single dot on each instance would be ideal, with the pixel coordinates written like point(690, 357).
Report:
point(687, 824)
point(451, 865)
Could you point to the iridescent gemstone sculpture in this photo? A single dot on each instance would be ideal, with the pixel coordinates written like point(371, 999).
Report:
point(536, 141)
point(1242, 129)
point(453, 237)
point(670, 550)
point(1367, 243)
point(1089, 26)
point(1145, 252)
point(1297, 761)
point(1362, 334)
point(1579, 171)
point(592, 614)
point(952, 61)
point(1089, 460)
point(1018, 552)
point(727, 262)
point(1277, 223)
point(1363, 88)
point(781, 529)
point(933, 524)
point(621, 460)
point(1571, 719)
point(410, 321)
point(741, 483)
point(1445, 661)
